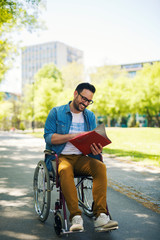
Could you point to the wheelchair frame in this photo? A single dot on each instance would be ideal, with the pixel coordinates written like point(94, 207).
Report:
point(44, 182)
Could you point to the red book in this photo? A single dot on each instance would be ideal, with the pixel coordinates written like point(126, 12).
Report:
point(84, 140)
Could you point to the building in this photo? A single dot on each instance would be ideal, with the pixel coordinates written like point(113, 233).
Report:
point(34, 57)
point(11, 96)
point(132, 68)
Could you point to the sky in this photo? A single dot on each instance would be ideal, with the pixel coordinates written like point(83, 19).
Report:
point(107, 31)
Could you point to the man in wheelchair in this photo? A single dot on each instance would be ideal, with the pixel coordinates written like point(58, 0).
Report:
point(62, 124)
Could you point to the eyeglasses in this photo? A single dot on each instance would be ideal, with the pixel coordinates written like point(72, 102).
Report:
point(86, 99)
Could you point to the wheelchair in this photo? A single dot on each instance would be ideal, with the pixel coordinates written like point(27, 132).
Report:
point(44, 182)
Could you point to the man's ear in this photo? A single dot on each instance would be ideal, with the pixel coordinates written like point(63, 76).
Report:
point(75, 93)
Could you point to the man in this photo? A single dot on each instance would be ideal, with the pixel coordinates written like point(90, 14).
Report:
point(62, 124)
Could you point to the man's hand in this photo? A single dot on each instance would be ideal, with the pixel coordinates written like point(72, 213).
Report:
point(96, 148)
point(63, 138)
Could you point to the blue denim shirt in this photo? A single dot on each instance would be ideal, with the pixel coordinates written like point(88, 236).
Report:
point(59, 121)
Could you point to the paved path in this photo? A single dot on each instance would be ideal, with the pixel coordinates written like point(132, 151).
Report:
point(138, 182)
point(19, 155)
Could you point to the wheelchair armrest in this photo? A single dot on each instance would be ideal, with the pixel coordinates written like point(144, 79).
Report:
point(49, 152)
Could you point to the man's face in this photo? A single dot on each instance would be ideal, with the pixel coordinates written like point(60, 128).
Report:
point(82, 100)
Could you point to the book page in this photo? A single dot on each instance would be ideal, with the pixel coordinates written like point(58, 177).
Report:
point(101, 130)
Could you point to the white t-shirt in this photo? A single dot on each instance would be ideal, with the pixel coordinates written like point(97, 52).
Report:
point(77, 125)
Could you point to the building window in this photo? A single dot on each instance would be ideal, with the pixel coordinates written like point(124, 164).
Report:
point(132, 74)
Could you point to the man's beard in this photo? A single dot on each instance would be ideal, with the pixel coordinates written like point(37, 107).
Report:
point(76, 106)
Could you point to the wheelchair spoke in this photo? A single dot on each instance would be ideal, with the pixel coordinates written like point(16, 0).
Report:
point(41, 186)
point(85, 196)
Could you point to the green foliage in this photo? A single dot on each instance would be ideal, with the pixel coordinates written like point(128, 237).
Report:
point(39, 98)
point(5, 114)
point(113, 100)
point(146, 93)
point(6, 51)
point(65, 96)
point(47, 92)
point(110, 82)
point(10, 113)
point(49, 71)
point(22, 126)
point(27, 108)
point(103, 73)
point(6, 108)
point(14, 17)
point(16, 110)
point(117, 95)
point(46, 97)
point(73, 74)
point(1, 96)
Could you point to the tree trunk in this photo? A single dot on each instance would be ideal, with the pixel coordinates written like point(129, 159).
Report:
point(149, 118)
point(157, 118)
point(108, 121)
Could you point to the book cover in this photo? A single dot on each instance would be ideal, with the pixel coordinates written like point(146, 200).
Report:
point(84, 140)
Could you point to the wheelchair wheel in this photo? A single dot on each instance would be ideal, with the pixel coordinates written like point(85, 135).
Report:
point(85, 196)
point(42, 192)
point(58, 222)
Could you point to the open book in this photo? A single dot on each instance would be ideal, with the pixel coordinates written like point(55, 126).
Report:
point(84, 140)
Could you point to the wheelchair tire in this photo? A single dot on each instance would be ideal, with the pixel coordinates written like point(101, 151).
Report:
point(42, 191)
point(85, 196)
point(58, 222)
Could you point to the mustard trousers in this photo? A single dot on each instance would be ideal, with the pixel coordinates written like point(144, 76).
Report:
point(83, 165)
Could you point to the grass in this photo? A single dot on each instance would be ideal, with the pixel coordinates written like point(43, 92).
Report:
point(37, 134)
point(136, 144)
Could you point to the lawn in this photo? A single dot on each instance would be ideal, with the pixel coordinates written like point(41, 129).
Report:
point(136, 144)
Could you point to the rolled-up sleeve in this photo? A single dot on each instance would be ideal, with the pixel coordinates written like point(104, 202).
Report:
point(92, 121)
point(50, 126)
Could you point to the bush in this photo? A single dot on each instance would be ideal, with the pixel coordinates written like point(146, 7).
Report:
point(21, 126)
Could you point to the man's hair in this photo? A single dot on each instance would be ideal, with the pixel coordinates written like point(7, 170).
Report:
point(85, 85)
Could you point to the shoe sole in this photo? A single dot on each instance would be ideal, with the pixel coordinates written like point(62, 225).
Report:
point(64, 232)
point(105, 229)
point(76, 229)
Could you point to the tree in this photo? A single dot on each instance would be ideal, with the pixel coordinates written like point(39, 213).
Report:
point(47, 92)
point(113, 86)
point(6, 51)
point(1, 96)
point(47, 87)
point(5, 115)
point(27, 107)
point(65, 96)
point(14, 17)
point(146, 93)
point(113, 90)
point(73, 74)
point(100, 74)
